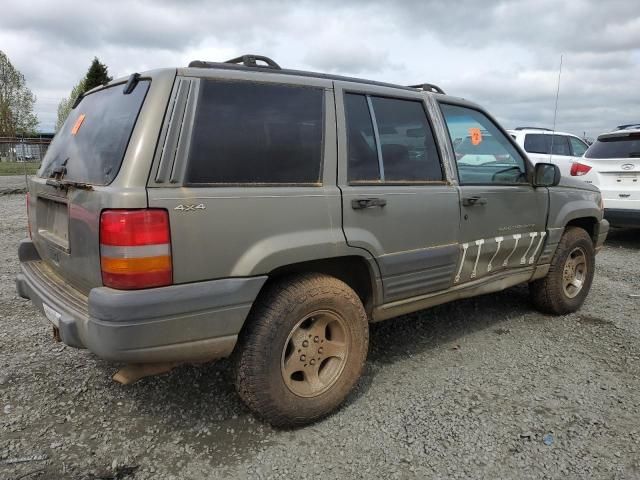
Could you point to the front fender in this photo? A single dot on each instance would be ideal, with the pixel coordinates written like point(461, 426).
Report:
point(567, 204)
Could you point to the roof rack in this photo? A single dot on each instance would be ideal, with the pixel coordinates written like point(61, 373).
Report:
point(628, 126)
point(241, 63)
point(534, 128)
point(428, 87)
point(246, 60)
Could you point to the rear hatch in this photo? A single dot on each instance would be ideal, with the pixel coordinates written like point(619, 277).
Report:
point(615, 166)
point(72, 186)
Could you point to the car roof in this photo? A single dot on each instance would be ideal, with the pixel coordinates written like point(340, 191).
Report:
point(198, 65)
point(541, 131)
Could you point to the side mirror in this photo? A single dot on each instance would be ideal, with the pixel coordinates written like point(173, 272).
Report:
point(546, 175)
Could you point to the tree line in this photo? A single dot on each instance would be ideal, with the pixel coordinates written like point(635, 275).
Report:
point(17, 117)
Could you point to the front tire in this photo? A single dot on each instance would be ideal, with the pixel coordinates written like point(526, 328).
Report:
point(567, 284)
point(303, 349)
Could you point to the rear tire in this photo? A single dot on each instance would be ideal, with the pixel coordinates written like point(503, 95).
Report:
point(567, 284)
point(303, 349)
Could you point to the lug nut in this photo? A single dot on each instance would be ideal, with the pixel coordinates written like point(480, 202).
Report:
point(320, 350)
point(312, 362)
point(305, 343)
point(316, 339)
point(303, 357)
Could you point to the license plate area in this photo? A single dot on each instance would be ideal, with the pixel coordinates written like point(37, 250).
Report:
point(628, 178)
point(52, 218)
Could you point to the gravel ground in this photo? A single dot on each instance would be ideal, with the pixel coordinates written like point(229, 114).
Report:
point(482, 388)
point(12, 184)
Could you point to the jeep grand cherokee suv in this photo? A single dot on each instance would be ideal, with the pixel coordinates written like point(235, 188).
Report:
point(239, 209)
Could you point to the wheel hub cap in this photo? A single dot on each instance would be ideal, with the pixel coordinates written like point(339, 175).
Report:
point(574, 272)
point(315, 353)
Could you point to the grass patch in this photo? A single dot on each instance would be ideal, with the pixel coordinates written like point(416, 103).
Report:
point(18, 168)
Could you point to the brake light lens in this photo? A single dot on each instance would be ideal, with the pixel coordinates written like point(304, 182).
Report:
point(578, 169)
point(28, 217)
point(135, 249)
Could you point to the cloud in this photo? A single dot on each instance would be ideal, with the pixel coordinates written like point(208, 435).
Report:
point(502, 54)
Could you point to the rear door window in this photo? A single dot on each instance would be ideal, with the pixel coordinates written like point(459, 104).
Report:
point(544, 143)
point(390, 140)
point(615, 146)
point(252, 134)
point(91, 144)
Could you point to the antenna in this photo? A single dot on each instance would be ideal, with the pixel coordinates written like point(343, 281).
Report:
point(555, 111)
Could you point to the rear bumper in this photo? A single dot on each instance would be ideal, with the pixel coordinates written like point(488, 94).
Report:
point(622, 217)
point(190, 322)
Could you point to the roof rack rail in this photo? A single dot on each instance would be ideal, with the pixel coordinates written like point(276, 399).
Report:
point(534, 128)
point(246, 60)
point(428, 87)
point(628, 126)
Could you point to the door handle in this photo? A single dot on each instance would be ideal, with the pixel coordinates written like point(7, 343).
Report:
point(361, 203)
point(474, 200)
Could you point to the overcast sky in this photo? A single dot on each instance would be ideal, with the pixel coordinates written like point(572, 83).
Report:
point(502, 54)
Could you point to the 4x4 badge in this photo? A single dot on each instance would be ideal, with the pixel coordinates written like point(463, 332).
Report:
point(188, 208)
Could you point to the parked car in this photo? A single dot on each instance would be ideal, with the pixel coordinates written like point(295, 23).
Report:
point(612, 163)
point(544, 145)
point(242, 209)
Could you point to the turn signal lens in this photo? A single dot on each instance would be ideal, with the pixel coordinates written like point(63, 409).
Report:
point(135, 249)
point(579, 169)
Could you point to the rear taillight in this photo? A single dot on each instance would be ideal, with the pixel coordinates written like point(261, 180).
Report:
point(28, 219)
point(135, 249)
point(578, 169)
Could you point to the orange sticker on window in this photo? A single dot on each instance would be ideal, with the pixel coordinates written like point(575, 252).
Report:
point(77, 125)
point(476, 136)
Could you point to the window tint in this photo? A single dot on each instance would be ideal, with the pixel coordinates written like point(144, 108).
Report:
point(483, 153)
point(361, 144)
point(256, 134)
point(408, 148)
point(403, 138)
point(616, 146)
point(541, 143)
point(93, 139)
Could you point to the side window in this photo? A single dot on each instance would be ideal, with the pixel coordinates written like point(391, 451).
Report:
point(578, 146)
point(248, 133)
point(541, 143)
point(561, 145)
point(362, 154)
point(399, 147)
point(537, 143)
point(484, 155)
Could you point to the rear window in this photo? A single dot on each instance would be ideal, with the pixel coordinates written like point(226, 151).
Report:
point(541, 143)
point(624, 146)
point(92, 142)
point(249, 133)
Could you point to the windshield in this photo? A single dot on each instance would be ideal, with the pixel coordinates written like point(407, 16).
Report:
point(90, 145)
point(623, 146)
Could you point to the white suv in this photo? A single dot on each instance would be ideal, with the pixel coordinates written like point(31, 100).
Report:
point(612, 164)
point(539, 143)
